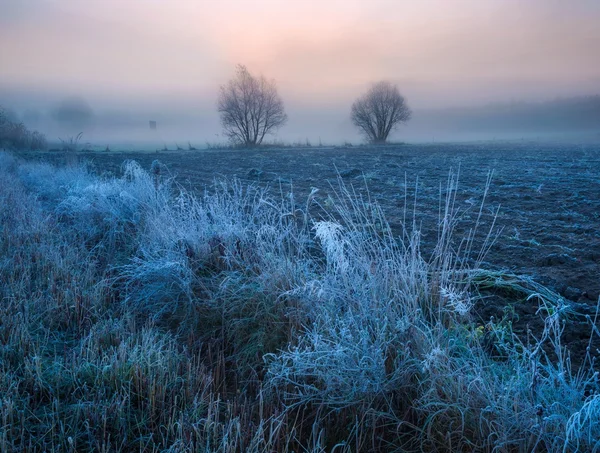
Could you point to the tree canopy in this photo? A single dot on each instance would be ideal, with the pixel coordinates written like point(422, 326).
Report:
point(379, 111)
point(250, 108)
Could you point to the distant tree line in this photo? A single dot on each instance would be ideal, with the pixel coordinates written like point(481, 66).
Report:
point(575, 114)
point(15, 135)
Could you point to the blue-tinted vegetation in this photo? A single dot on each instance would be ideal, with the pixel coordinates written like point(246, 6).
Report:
point(137, 316)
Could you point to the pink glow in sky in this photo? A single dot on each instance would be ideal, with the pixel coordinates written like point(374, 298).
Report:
point(321, 52)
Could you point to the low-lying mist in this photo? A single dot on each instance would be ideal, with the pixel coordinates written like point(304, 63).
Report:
point(195, 121)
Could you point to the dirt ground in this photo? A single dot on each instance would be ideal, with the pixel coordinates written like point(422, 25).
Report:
point(547, 199)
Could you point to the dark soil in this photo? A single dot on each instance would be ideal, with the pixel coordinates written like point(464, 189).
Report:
point(547, 197)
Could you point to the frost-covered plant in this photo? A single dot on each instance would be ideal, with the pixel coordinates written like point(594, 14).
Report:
point(109, 214)
point(53, 183)
point(396, 327)
point(330, 235)
point(583, 427)
point(363, 340)
point(457, 301)
point(339, 362)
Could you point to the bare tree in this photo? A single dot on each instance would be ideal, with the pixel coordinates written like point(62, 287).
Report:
point(250, 108)
point(379, 111)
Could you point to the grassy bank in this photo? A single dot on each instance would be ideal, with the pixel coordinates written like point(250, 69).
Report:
point(136, 316)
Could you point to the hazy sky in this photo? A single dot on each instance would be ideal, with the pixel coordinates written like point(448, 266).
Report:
point(136, 54)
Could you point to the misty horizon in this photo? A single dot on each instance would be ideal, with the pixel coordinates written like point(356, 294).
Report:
point(133, 62)
point(329, 126)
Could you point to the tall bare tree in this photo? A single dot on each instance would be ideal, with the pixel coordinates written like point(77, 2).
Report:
point(379, 111)
point(250, 108)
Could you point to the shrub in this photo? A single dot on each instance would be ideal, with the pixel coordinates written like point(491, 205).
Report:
point(14, 135)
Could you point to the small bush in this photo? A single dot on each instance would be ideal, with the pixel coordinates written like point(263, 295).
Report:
point(71, 144)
